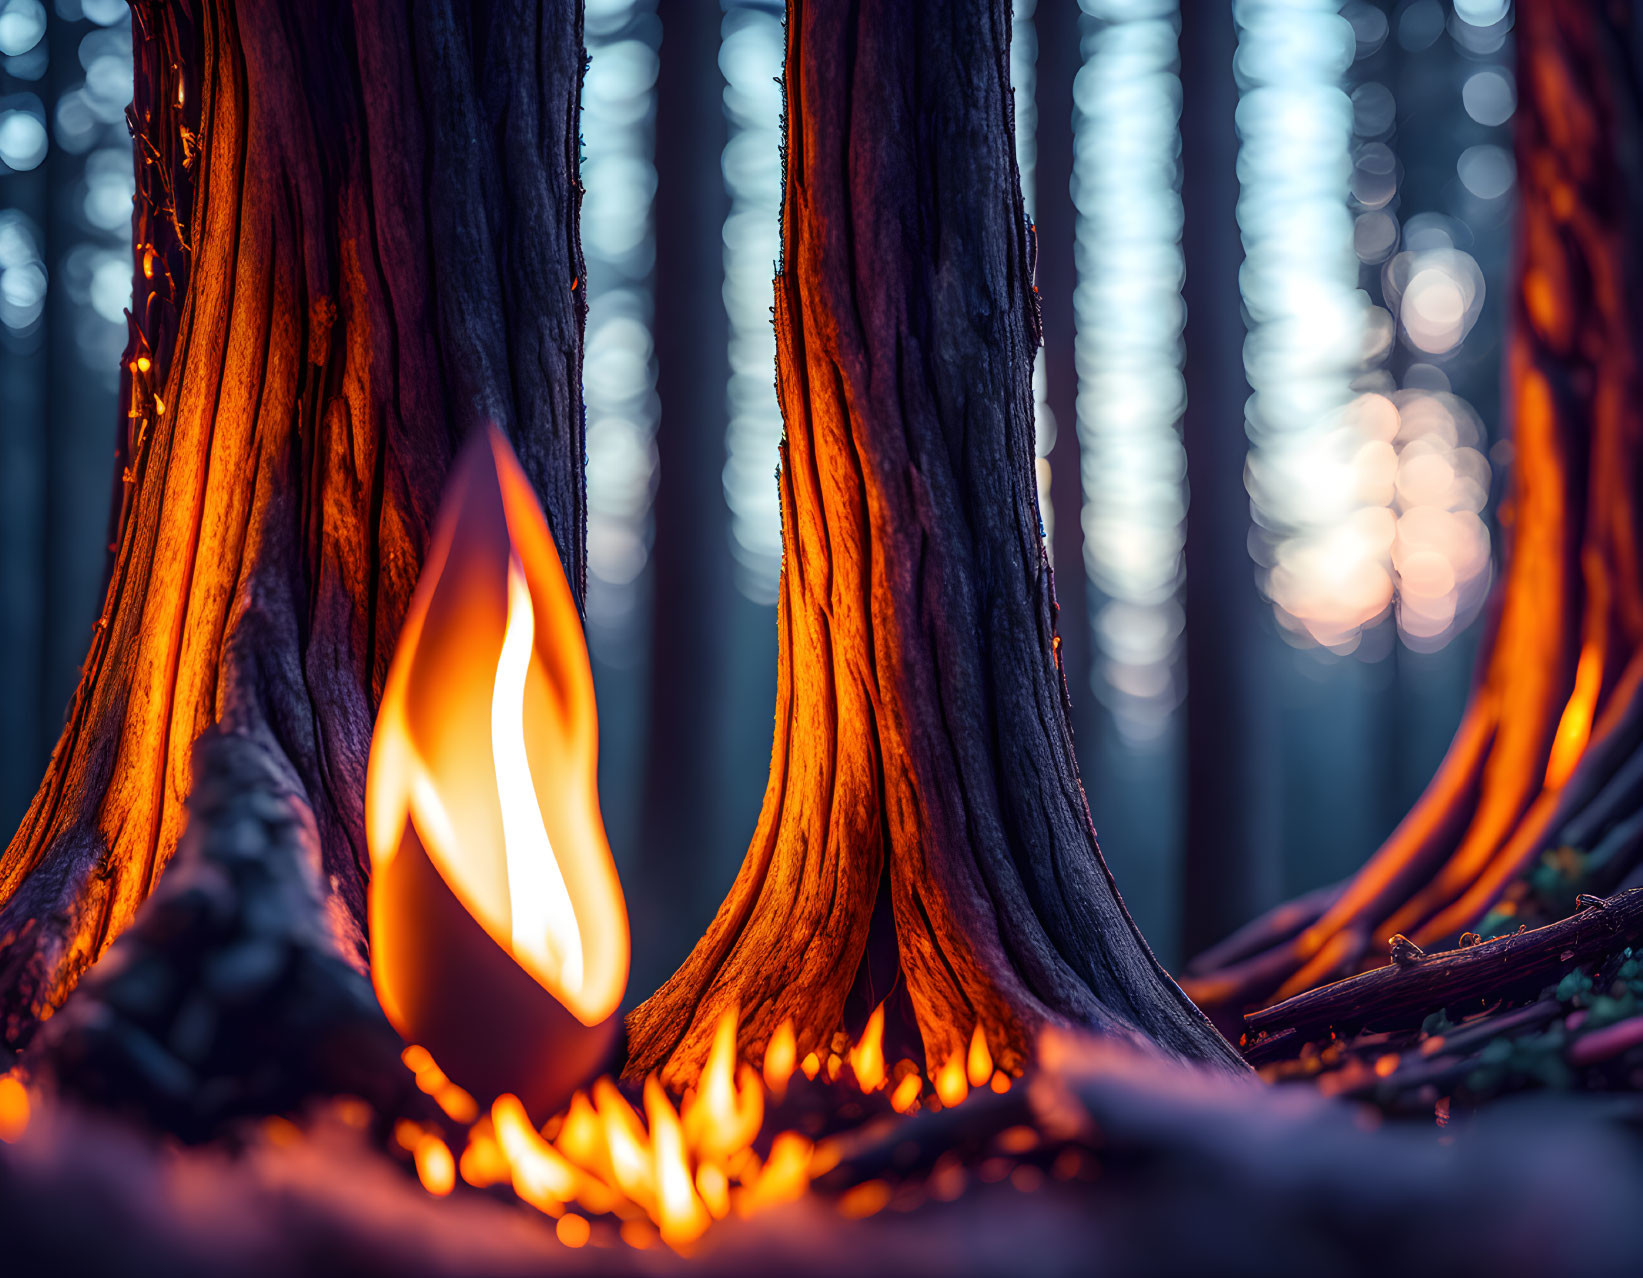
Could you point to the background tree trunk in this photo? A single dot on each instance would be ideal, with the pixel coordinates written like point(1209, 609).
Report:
point(1547, 754)
point(922, 752)
point(1060, 56)
point(684, 813)
point(356, 240)
point(1229, 866)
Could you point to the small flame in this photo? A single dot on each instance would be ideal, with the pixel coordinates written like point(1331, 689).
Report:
point(483, 766)
point(979, 1067)
point(867, 1056)
point(680, 1168)
point(680, 1213)
point(952, 1085)
point(540, 1176)
point(780, 1057)
point(434, 1166)
point(726, 1111)
point(14, 1108)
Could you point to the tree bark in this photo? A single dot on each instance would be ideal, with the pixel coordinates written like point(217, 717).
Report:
point(922, 753)
point(1547, 752)
point(356, 240)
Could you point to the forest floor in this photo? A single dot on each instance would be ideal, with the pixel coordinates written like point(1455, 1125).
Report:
point(1177, 1172)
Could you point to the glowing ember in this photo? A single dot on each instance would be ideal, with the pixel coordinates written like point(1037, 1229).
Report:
point(780, 1057)
point(867, 1056)
point(979, 1066)
point(14, 1107)
point(670, 1171)
point(952, 1084)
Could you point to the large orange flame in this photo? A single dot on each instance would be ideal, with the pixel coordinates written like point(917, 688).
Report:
point(495, 906)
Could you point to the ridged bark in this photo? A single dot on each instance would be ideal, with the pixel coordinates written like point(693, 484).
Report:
point(356, 240)
point(922, 751)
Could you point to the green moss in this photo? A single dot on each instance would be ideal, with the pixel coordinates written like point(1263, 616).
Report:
point(1573, 988)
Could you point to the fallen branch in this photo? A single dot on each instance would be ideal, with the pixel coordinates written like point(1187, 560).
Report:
point(1406, 991)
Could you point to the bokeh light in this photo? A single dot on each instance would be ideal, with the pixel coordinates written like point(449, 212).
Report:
point(1130, 389)
point(750, 56)
point(619, 375)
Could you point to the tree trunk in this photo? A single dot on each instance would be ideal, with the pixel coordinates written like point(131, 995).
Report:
point(690, 553)
point(922, 751)
point(1229, 866)
point(1548, 751)
point(356, 240)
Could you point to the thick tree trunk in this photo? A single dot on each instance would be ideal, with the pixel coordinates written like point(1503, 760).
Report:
point(1548, 752)
point(356, 240)
point(922, 750)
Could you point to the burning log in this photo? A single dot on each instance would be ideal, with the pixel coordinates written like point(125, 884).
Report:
point(1550, 750)
point(924, 827)
point(328, 302)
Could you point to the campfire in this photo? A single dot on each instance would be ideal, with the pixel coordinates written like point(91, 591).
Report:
point(500, 947)
point(313, 951)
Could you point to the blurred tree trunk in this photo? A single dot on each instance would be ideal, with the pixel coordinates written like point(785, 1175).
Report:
point(1230, 862)
point(1548, 754)
point(922, 753)
point(684, 820)
point(356, 240)
point(1060, 56)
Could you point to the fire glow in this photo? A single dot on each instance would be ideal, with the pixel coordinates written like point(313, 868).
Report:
point(499, 937)
point(668, 1172)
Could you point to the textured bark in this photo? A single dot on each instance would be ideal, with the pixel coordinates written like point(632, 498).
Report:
point(356, 240)
point(1547, 753)
point(922, 753)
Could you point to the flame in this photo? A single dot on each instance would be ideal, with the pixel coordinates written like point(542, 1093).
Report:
point(680, 1213)
point(14, 1108)
point(483, 764)
point(979, 1066)
point(952, 1083)
point(670, 1171)
point(780, 1059)
point(544, 931)
point(434, 1166)
point(726, 1111)
point(867, 1056)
